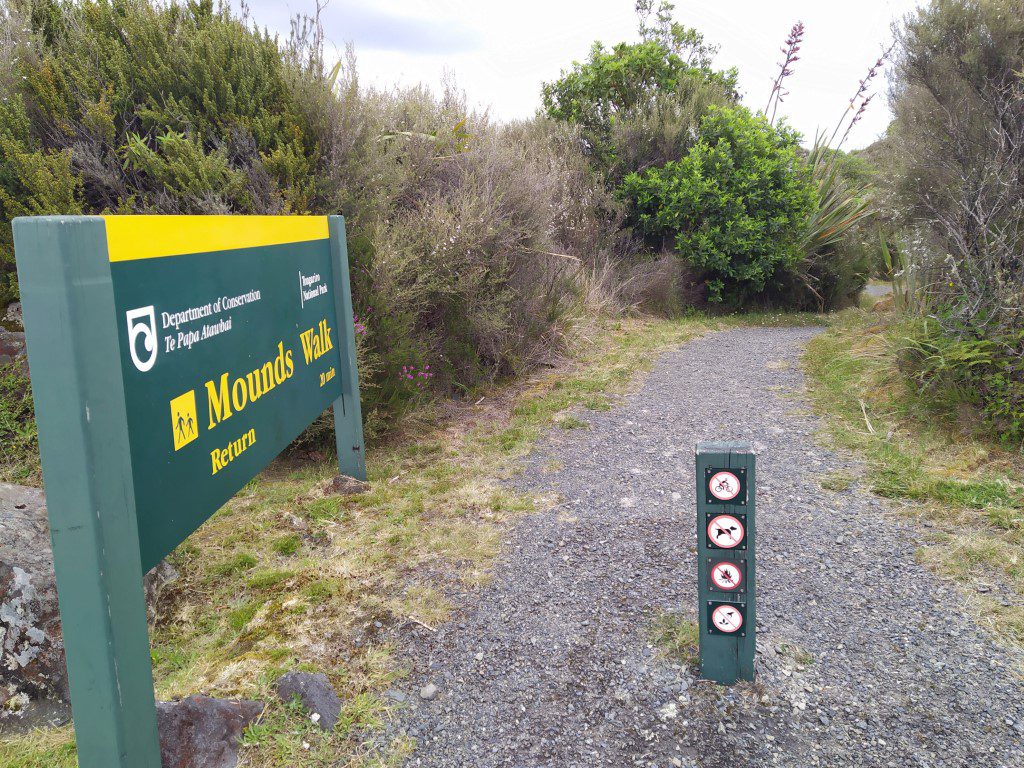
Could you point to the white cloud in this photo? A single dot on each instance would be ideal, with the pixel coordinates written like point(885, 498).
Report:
point(501, 52)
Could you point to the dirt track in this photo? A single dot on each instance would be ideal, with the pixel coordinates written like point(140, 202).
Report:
point(865, 658)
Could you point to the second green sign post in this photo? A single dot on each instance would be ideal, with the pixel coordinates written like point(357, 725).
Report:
point(726, 583)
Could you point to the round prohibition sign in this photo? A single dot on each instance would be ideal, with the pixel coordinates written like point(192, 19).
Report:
point(726, 575)
point(727, 619)
point(724, 486)
point(725, 531)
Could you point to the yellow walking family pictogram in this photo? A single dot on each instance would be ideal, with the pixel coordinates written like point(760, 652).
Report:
point(184, 422)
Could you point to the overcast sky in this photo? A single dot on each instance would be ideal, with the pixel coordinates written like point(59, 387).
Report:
point(499, 53)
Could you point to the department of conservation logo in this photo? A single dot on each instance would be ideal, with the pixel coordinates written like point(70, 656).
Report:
point(142, 322)
point(184, 423)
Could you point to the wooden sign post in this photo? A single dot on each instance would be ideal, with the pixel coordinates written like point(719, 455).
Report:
point(726, 577)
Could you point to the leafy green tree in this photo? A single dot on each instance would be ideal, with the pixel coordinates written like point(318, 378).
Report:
point(633, 81)
point(735, 207)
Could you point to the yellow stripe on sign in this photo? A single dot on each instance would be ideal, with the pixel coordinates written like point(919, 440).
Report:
point(153, 237)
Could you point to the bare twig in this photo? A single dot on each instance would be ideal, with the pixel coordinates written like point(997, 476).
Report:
point(864, 410)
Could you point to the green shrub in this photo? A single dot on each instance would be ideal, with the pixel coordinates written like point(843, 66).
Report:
point(19, 460)
point(982, 372)
point(471, 243)
point(836, 264)
point(954, 150)
point(734, 207)
point(638, 104)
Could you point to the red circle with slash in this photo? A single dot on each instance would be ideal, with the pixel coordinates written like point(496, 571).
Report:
point(726, 575)
point(726, 531)
point(724, 486)
point(727, 618)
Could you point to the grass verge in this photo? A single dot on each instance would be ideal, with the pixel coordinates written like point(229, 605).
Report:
point(965, 488)
point(677, 638)
point(289, 576)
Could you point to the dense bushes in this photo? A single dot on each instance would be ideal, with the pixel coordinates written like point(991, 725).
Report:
point(469, 241)
point(473, 245)
point(734, 206)
point(957, 149)
point(731, 194)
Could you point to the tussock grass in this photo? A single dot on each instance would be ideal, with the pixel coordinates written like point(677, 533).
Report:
point(966, 488)
point(43, 748)
point(677, 637)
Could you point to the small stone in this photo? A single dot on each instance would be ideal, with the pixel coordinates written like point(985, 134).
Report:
point(201, 732)
point(346, 486)
point(668, 711)
point(428, 692)
point(316, 694)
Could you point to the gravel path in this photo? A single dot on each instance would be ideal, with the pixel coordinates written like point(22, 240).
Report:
point(864, 657)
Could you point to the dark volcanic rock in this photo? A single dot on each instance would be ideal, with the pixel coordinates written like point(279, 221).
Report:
point(12, 346)
point(31, 643)
point(316, 694)
point(200, 732)
point(31, 646)
point(345, 485)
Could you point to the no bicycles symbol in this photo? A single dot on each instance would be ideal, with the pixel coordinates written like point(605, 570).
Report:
point(724, 486)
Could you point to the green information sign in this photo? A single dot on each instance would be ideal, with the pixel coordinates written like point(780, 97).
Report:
point(172, 358)
point(726, 583)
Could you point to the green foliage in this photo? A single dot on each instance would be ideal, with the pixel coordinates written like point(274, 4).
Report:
point(840, 205)
point(957, 149)
point(614, 82)
point(638, 103)
point(836, 259)
point(33, 182)
point(470, 242)
point(983, 372)
point(19, 460)
point(734, 207)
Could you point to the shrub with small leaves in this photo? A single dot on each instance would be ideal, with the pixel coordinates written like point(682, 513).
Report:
point(734, 207)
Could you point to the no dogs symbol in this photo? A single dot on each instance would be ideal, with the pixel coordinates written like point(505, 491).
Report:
point(724, 485)
point(725, 532)
point(726, 619)
point(726, 576)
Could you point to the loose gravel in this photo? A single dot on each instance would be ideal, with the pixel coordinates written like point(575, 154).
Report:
point(864, 657)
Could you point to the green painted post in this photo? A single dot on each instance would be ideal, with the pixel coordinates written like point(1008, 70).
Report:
point(348, 414)
point(726, 573)
point(83, 436)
